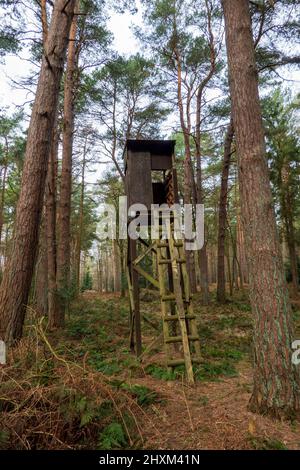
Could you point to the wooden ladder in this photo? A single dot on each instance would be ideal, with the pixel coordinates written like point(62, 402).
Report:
point(179, 321)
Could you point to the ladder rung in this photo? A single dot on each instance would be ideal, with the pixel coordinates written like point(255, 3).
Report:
point(179, 362)
point(178, 339)
point(162, 245)
point(166, 244)
point(167, 297)
point(175, 317)
point(169, 261)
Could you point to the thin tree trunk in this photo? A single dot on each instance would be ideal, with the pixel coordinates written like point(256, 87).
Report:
point(54, 307)
point(221, 288)
point(123, 269)
point(292, 253)
point(276, 379)
point(41, 284)
point(44, 21)
point(189, 184)
point(2, 203)
point(287, 205)
point(241, 251)
point(64, 210)
point(99, 269)
point(229, 273)
point(17, 278)
point(202, 255)
point(117, 270)
point(80, 224)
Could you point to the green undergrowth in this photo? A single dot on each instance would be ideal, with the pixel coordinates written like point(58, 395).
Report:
point(98, 330)
point(259, 443)
point(81, 381)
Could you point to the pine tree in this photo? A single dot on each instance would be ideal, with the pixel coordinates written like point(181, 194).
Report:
point(276, 380)
point(17, 278)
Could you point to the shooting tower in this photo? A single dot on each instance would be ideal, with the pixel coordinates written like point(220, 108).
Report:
point(150, 178)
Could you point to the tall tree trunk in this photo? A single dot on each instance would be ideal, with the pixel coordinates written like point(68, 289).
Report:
point(229, 272)
point(287, 205)
point(80, 224)
point(202, 255)
point(54, 307)
point(123, 269)
point(41, 284)
point(292, 251)
point(2, 201)
point(221, 290)
point(241, 251)
point(117, 267)
point(189, 183)
point(17, 278)
point(64, 210)
point(276, 379)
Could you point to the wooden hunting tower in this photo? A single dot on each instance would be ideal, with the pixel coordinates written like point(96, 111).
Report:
point(150, 178)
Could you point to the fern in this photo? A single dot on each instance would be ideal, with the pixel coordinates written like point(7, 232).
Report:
point(87, 417)
point(112, 437)
point(144, 395)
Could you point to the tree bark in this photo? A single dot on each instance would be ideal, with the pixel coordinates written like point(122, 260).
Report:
point(202, 254)
point(41, 270)
point(80, 224)
point(54, 307)
point(287, 205)
point(17, 278)
point(189, 183)
point(117, 267)
point(221, 290)
point(2, 205)
point(64, 212)
point(123, 269)
point(276, 379)
point(241, 251)
point(44, 21)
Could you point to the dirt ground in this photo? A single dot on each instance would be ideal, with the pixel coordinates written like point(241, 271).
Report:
point(82, 387)
point(213, 413)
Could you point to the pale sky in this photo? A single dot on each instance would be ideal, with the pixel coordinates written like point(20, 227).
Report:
point(16, 68)
point(125, 43)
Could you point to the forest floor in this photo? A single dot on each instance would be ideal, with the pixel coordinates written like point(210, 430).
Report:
point(70, 388)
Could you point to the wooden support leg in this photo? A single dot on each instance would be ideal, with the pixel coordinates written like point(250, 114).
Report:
point(131, 305)
point(136, 298)
point(173, 325)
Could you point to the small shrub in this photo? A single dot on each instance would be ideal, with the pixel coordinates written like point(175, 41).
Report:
point(112, 437)
point(102, 365)
point(163, 373)
point(212, 371)
point(87, 282)
point(144, 395)
point(259, 443)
